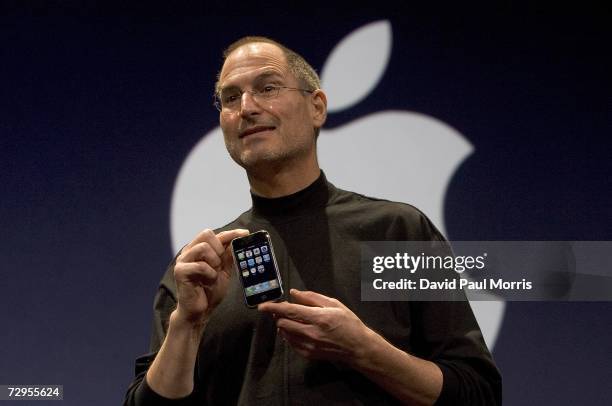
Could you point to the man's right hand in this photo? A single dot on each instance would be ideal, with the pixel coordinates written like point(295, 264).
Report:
point(202, 273)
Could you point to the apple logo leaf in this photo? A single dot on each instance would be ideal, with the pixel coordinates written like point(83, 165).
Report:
point(346, 77)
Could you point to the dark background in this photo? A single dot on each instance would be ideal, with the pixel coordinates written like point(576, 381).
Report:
point(100, 106)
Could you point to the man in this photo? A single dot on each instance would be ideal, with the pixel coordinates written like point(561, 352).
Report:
point(324, 345)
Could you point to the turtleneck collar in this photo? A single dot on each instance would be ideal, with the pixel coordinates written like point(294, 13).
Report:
point(314, 196)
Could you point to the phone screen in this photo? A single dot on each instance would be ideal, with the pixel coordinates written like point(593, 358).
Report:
point(257, 268)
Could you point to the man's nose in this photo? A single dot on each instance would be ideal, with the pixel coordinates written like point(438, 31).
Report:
point(249, 104)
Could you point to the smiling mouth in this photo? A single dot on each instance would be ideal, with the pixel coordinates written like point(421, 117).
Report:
point(255, 130)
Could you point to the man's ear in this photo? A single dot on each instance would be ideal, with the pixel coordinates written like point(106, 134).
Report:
point(319, 108)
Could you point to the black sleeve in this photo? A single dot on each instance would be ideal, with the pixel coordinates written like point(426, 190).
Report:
point(139, 393)
point(447, 333)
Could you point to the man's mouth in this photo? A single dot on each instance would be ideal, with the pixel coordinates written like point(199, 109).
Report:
point(255, 129)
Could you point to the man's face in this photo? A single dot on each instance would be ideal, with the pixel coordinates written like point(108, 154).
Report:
point(265, 131)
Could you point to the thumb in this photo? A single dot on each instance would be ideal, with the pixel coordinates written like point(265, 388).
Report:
point(227, 236)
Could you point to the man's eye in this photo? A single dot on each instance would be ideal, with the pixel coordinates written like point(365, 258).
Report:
point(268, 89)
point(230, 98)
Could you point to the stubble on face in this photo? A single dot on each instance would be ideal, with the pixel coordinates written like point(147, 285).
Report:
point(255, 157)
point(290, 140)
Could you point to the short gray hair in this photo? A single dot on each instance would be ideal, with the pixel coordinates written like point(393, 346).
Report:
point(298, 66)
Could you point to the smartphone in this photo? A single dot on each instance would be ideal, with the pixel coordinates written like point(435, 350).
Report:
point(257, 268)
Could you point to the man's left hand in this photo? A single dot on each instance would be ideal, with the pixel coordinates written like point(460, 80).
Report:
point(320, 327)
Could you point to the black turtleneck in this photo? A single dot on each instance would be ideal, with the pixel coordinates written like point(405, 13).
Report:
point(317, 234)
point(313, 197)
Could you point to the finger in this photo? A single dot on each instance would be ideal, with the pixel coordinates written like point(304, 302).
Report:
point(295, 327)
point(225, 237)
point(268, 307)
point(206, 235)
point(201, 252)
point(217, 245)
point(309, 298)
point(290, 310)
point(209, 237)
point(311, 348)
point(314, 349)
point(216, 241)
point(195, 271)
point(228, 261)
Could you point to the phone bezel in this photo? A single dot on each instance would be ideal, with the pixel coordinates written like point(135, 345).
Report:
point(269, 295)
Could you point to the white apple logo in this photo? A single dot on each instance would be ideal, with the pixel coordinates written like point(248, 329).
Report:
point(397, 155)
